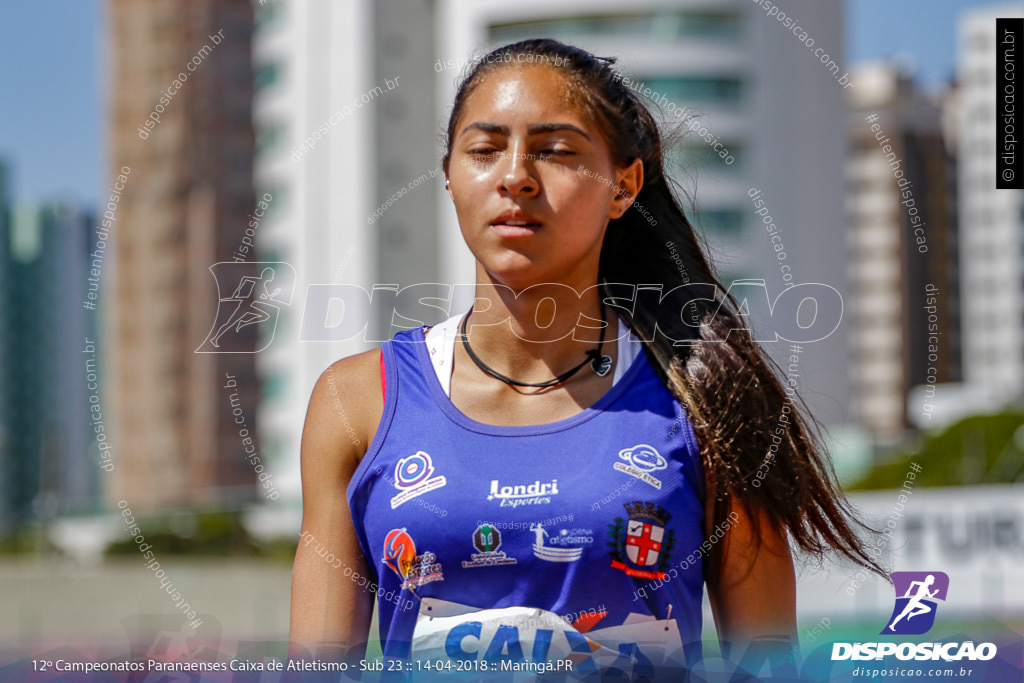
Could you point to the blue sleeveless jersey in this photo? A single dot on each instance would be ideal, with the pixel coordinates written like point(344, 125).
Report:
point(526, 544)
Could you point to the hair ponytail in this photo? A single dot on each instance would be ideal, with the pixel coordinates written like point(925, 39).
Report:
point(729, 386)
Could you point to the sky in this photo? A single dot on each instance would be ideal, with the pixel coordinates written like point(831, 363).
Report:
point(51, 132)
point(52, 87)
point(923, 30)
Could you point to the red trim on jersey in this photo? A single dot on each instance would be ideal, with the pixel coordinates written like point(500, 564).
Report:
point(383, 377)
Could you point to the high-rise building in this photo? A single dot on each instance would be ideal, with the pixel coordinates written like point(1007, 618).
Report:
point(47, 464)
point(771, 97)
point(181, 86)
point(903, 246)
point(346, 116)
point(992, 251)
point(5, 436)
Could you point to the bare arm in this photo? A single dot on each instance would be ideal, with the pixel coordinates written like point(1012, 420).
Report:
point(754, 597)
point(329, 611)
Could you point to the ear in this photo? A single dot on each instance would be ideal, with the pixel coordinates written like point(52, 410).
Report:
point(447, 180)
point(628, 182)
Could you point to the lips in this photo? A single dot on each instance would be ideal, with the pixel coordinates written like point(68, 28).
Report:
point(515, 223)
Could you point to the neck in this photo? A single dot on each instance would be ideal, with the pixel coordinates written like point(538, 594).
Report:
point(540, 333)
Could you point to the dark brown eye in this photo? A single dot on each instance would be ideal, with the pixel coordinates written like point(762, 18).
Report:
point(484, 153)
point(556, 153)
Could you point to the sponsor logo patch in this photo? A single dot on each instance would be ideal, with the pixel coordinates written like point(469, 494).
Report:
point(487, 540)
point(640, 461)
point(641, 545)
point(414, 477)
point(564, 546)
point(414, 570)
point(537, 493)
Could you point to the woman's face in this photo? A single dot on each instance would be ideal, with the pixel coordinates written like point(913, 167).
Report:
point(533, 181)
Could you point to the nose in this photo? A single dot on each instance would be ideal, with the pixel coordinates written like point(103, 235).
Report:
point(516, 177)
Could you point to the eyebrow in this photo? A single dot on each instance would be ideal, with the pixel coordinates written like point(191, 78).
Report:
point(532, 129)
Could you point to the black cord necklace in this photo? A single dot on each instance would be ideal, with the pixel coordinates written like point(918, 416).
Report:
point(601, 363)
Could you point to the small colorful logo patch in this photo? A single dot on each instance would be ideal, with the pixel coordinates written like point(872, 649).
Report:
point(487, 540)
point(565, 546)
point(916, 593)
point(413, 477)
point(640, 461)
point(414, 570)
point(641, 545)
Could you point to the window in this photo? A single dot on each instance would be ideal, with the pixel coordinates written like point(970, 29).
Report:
point(265, 75)
point(721, 221)
point(267, 14)
point(661, 27)
point(268, 137)
point(718, 25)
point(274, 386)
point(277, 197)
point(271, 255)
point(706, 90)
point(696, 158)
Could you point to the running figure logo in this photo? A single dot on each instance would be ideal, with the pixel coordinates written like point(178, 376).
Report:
point(254, 299)
point(916, 593)
point(552, 553)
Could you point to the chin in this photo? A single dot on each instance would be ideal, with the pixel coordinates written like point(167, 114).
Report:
point(518, 275)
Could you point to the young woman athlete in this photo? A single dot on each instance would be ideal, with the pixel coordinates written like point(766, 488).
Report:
point(557, 473)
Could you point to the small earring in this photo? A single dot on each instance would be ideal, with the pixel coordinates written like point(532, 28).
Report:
point(447, 184)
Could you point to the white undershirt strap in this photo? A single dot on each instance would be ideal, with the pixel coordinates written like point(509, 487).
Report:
point(441, 348)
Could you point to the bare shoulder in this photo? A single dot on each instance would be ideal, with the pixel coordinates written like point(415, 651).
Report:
point(345, 409)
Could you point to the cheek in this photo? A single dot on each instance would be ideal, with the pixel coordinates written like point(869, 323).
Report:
point(471, 186)
point(586, 202)
point(467, 192)
point(472, 169)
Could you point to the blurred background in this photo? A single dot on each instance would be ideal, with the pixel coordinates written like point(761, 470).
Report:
point(143, 142)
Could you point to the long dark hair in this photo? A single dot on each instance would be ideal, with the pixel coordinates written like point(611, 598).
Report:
point(728, 384)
